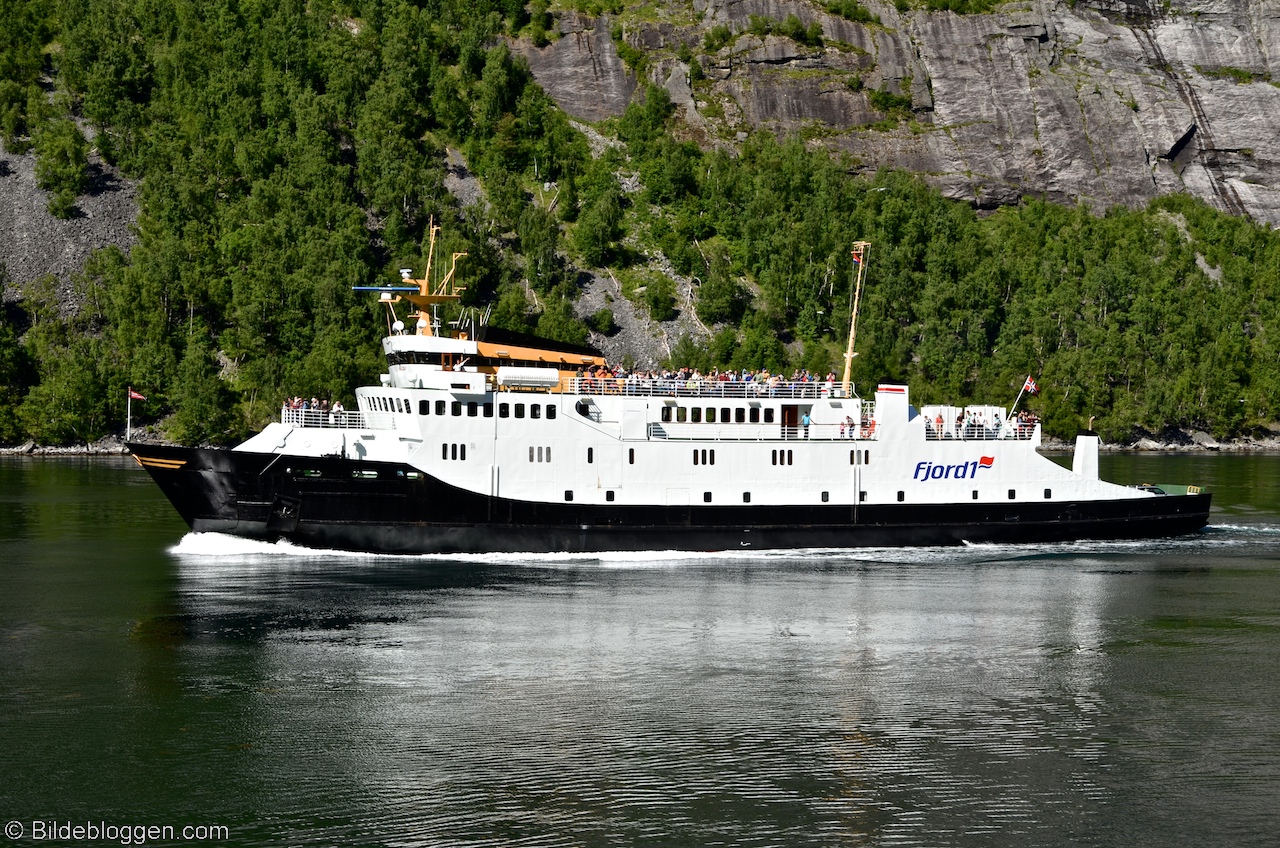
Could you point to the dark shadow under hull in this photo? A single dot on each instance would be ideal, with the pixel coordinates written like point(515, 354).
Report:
point(330, 502)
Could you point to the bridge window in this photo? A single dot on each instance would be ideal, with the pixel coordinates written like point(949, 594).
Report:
point(504, 410)
point(711, 415)
point(488, 410)
point(424, 407)
point(681, 414)
point(739, 416)
point(472, 408)
point(519, 410)
point(768, 416)
point(695, 415)
point(755, 415)
point(535, 411)
point(439, 407)
point(456, 408)
point(666, 415)
point(551, 412)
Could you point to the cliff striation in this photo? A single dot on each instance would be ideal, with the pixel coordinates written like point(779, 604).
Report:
point(1101, 102)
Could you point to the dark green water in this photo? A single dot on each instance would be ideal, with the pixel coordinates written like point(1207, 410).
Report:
point(1073, 695)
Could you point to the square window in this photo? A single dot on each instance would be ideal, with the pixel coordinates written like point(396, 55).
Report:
point(551, 412)
point(740, 415)
point(826, 496)
point(746, 497)
point(711, 415)
point(666, 415)
point(768, 416)
point(488, 410)
point(455, 408)
point(1048, 493)
point(519, 410)
point(504, 410)
point(608, 496)
point(755, 415)
point(695, 415)
point(472, 409)
point(568, 495)
point(535, 410)
point(424, 407)
point(706, 497)
point(439, 407)
point(724, 414)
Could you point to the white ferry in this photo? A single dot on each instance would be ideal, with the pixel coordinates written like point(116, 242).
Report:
point(500, 443)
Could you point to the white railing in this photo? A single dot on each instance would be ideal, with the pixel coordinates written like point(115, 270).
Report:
point(749, 390)
point(978, 433)
point(350, 420)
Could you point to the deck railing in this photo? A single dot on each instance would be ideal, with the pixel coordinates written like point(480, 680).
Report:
point(351, 420)
point(749, 389)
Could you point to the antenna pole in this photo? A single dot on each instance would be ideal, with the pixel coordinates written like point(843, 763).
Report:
point(860, 262)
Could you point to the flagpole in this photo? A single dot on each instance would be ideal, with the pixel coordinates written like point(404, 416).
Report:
point(1020, 394)
point(128, 415)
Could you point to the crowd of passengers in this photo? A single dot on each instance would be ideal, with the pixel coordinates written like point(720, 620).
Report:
point(762, 383)
point(973, 424)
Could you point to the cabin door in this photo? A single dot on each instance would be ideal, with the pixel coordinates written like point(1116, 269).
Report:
point(790, 421)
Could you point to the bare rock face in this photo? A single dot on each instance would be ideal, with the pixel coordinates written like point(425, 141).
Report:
point(33, 243)
point(1102, 102)
point(581, 70)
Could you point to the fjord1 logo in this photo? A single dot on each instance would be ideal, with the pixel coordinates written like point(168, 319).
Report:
point(960, 471)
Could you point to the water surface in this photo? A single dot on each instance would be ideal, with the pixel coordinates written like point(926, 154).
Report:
point(1078, 695)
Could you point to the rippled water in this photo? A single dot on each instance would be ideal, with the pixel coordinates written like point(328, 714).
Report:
point(1088, 694)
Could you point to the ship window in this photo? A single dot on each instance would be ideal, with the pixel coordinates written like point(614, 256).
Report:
point(746, 497)
point(631, 456)
point(365, 475)
point(608, 496)
point(568, 495)
point(439, 407)
point(713, 456)
point(548, 453)
point(754, 415)
point(790, 458)
point(695, 415)
point(681, 413)
point(695, 456)
point(1013, 493)
point(853, 457)
point(711, 415)
point(535, 411)
point(740, 416)
point(462, 452)
point(540, 455)
point(866, 457)
point(1048, 493)
point(488, 410)
point(666, 415)
point(768, 416)
point(551, 412)
point(862, 496)
point(706, 497)
point(519, 410)
point(504, 410)
point(902, 496)
point(453, 451)
point(975, 494)
point(455, 408)
point(414, 475)
point(444, 451)
point(775, 457)
point(531, 453)
point(826, 496)
point(400, 406)
point(472, 408)
point(424, 407)
point(724, 415)
point(591, 455)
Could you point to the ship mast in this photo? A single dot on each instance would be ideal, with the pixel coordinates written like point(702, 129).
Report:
point(860, 261)
point(429, 294)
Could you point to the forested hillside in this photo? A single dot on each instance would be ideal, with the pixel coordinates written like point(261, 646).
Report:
point(288, 151)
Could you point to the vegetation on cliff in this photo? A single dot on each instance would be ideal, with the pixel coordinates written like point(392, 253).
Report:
point(289, 151)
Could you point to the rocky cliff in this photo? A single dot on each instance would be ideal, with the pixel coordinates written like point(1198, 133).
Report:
point(1100, 102)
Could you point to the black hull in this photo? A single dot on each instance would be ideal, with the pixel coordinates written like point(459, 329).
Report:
point(336, 503)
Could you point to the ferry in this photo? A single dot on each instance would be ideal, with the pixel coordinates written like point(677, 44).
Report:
point(477, 440)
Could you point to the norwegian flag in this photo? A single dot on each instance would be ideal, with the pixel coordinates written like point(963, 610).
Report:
point(135, 396)
point(1030, 386)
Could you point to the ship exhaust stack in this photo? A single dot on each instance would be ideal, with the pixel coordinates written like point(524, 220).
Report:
point(1085, 462)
